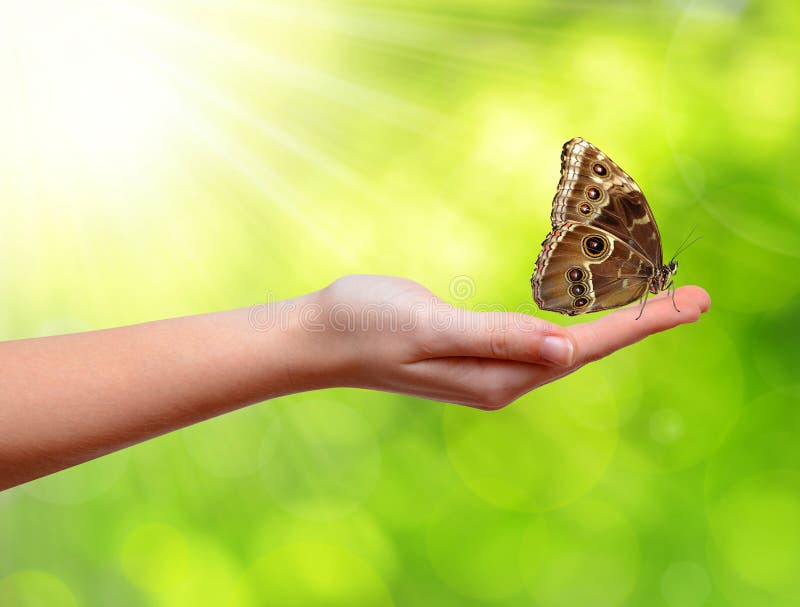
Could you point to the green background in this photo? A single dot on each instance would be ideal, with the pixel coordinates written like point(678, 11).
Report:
point(162, 158)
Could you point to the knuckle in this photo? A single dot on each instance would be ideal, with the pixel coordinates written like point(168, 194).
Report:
point(595, 353)
point(423, 349)
point(534, 324)
point(498, 342)
point(497, 402)
point(495, 397)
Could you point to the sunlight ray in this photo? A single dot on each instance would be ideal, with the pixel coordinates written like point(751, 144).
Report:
point(267, 181)
point(394, 30)
point(341, 90)
point(264, 178)
point(266, 128)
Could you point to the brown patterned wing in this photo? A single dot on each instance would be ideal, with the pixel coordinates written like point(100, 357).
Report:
point(593, 190)
point(583, 268)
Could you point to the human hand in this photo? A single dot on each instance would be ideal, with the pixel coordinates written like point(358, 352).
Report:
point(393, 334)
point(373, 332)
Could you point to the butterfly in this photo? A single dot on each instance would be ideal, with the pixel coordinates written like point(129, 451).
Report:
point(605, 249)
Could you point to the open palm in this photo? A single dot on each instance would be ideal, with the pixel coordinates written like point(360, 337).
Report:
point(393, 334)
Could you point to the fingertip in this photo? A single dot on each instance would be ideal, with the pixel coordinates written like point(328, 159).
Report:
point(698, 296)
point(705, 299)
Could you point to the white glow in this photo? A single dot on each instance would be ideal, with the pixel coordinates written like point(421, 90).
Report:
point(74, 88)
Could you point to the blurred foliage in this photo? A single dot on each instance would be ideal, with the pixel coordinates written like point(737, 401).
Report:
point(162, 157)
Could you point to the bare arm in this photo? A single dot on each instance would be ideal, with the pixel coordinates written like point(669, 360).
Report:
point(67, 399)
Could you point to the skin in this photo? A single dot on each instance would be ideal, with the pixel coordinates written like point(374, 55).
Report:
point(68, 399)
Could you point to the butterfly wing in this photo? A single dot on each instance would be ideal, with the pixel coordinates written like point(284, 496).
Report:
point(593, 190)
point(584, 268)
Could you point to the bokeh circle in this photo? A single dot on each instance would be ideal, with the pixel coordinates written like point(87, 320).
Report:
point(82, 483)
point(756, 526)
point(775, 347)
point(483, 566)
point(180, 569)
point(750, 115)
point(539, 453)
point(686, 409)
point(325, 461)
point(230, 446)
point(304, 573)
point(685, 584)
point(33, 588)
point(753, 496)
point(584, 554)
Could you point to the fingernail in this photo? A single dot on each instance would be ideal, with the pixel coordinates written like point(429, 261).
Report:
point(557, 350)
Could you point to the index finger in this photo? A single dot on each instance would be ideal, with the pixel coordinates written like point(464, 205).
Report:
point(619, 329)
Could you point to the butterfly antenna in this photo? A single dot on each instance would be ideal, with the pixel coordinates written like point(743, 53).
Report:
point(683, 242)
point(686, 243)
point(686, 246)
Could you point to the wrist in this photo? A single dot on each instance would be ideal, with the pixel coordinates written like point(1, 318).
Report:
point(310, 351)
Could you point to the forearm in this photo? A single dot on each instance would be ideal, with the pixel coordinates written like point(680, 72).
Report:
point(68, 399)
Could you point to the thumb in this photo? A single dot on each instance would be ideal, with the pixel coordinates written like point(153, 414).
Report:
point(505, 336)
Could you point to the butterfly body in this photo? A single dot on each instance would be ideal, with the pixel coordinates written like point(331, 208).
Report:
point(604, 250)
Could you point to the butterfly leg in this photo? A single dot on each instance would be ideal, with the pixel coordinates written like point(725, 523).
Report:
point(671, 287)
point(644, 301)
